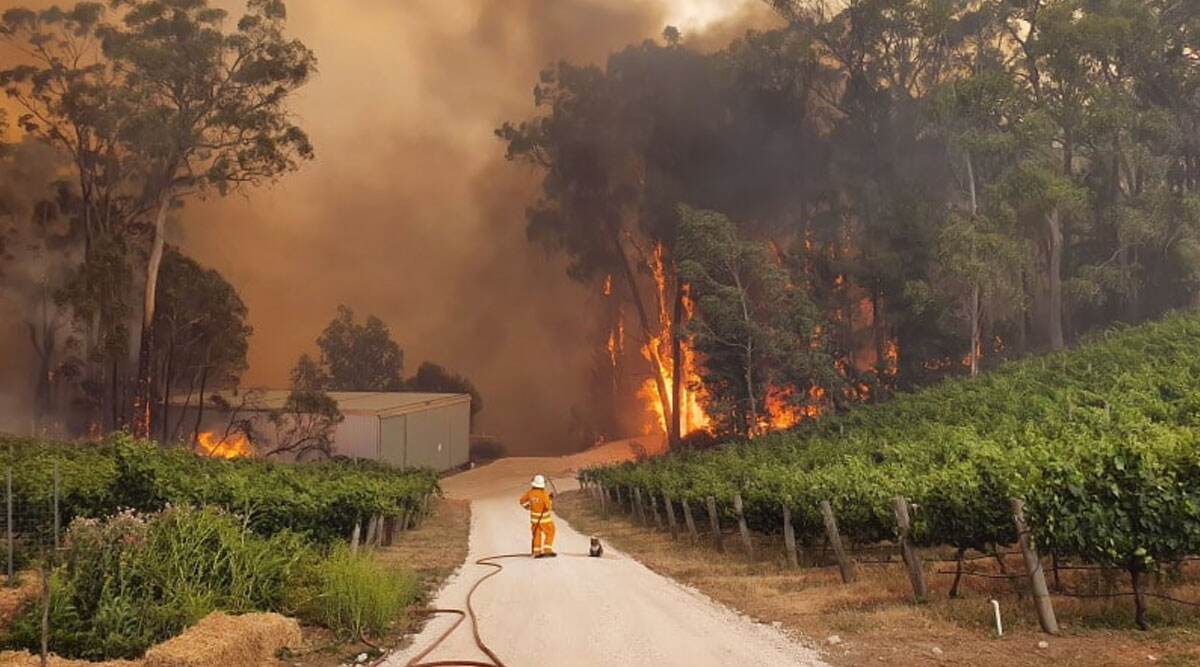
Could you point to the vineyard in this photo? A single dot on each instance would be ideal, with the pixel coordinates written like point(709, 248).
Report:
point(323, 501)
point(1100, 444)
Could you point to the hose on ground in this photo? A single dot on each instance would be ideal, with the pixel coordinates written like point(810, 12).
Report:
point(495, 660)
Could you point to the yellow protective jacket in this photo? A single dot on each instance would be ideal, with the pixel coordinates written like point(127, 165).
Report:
point(537, 501)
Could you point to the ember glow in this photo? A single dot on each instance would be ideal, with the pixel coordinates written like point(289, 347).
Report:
point(231, 446)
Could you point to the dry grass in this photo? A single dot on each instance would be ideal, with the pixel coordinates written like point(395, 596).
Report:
point(877, 621)
point(27, 586)
point(219, 639)
point(434, 550)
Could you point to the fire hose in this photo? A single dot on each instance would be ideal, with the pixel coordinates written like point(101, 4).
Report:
point(495, 660)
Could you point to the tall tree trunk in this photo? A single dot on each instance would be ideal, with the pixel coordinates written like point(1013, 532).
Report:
point(115, 391)
point(676, 434)
point(165, 417)
point(975, 309)
point(1054, 285)
point(200, 403)
point(187, 402)
point(142, 389)
point(976, 317)
point(656, 365)
point(751, 397)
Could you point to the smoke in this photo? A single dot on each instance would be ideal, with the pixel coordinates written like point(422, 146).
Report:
point(27, 274)
point(410, 212)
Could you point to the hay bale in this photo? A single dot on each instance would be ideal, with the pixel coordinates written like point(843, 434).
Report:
point(220, 640)
point(26, 659)
point(29, 587)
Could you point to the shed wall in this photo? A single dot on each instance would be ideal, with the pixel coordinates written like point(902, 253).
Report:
point(392, 440)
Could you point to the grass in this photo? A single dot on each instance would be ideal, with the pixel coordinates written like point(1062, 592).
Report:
point(359, 596)
point(425, 556)
point(876, 620)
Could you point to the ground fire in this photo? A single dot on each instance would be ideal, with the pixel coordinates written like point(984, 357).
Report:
point(229, 446)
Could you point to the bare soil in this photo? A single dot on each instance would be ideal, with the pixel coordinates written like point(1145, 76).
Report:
point(875, 622)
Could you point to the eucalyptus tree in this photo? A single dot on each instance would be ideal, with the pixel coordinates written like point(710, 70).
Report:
point(756, 330)
point(157, 101)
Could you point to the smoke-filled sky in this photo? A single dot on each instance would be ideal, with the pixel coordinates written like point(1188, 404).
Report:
point(410, 212)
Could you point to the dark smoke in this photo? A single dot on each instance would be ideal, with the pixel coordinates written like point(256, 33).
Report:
point(410, 212)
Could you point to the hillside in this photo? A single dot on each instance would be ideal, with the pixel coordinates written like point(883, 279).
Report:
point(1099, 441)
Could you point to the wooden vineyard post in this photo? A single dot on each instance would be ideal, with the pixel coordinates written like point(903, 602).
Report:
point(835, 541)
point(641, 509)
point(693, 534)
point(354, 537)
point(370, 539)
point(604, 501)
point(8, 525)
point(671, 523)
point(743, 528)
point(1033, 565)
point(620, 500)
point(658, 521)
point(916, 570)
point(389, 530)
point(789, 537)
point(715, 523)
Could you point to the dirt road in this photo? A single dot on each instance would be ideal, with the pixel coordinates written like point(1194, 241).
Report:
point(581, 611)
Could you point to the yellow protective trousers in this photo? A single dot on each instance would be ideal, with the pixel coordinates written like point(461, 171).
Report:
point(543, 536)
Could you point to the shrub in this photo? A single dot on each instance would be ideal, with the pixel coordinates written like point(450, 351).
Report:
point(133, 580)
point(356, 595)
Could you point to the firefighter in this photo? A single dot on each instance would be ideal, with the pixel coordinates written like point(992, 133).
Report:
point(538, 502)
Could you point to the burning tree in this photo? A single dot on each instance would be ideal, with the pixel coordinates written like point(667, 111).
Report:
point(764, 356)
point(613, 173)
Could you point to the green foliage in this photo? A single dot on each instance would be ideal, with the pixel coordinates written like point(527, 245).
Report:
point(1101, 442)
point(754, 329)
point(322, 500)
point(356, 595)
point(360, 357)
point(434, 378)
point(133, 580)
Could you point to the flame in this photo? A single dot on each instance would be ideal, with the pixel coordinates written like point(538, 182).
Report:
point(891, 357)
point(232, 446)
point(658, 351)
point(782, 411)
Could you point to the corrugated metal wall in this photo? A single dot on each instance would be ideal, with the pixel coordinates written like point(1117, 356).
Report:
point(437, 438)
point(392, 439)
point(357, 437)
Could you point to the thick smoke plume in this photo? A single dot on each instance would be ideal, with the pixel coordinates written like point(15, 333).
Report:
point(410, 211)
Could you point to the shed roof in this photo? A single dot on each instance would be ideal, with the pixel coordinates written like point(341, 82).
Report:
point(382, 404)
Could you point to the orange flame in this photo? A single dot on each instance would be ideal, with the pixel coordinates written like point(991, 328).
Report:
point(658, 351)
point(232, 446)
point(782, 412)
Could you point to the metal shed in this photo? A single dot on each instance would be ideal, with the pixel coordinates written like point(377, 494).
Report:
point(400, 428)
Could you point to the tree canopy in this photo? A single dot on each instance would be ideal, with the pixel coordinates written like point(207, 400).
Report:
point(950, 183)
